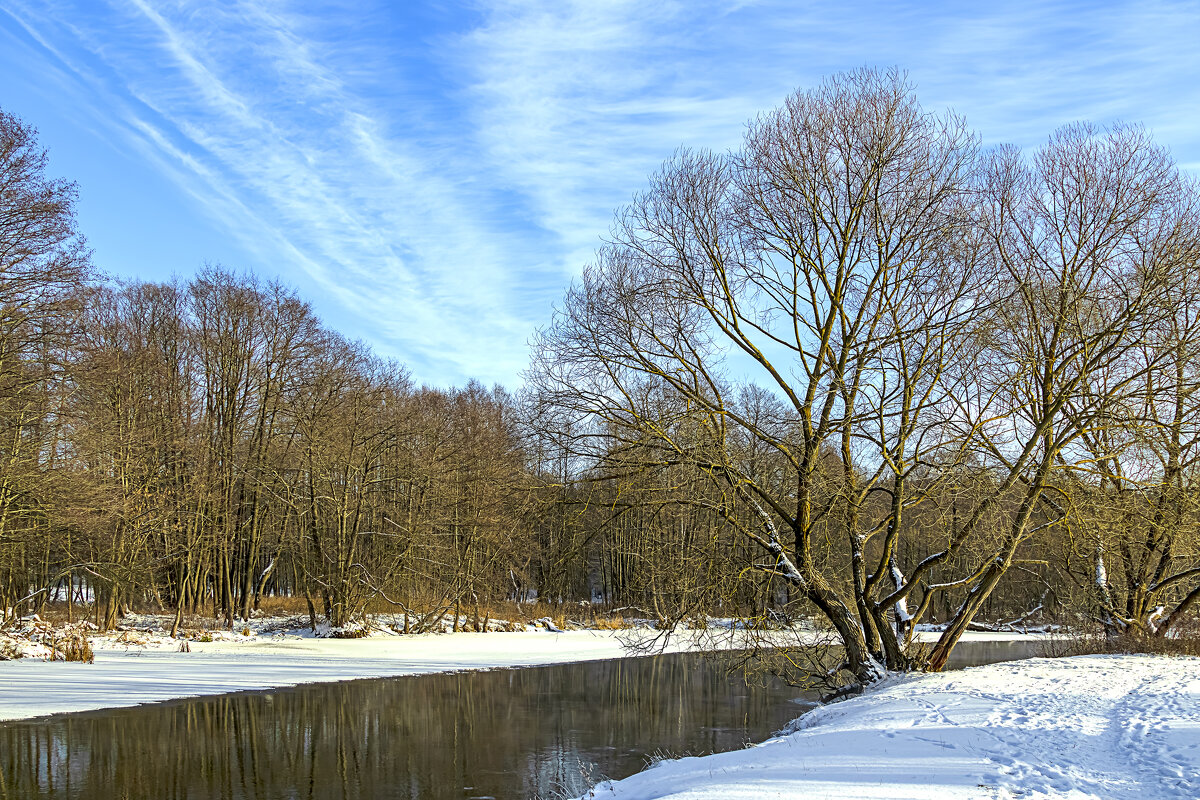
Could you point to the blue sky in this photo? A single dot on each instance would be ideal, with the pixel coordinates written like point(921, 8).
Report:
point(431, 175)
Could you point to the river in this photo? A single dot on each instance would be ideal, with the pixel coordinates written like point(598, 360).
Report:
point(544, 732)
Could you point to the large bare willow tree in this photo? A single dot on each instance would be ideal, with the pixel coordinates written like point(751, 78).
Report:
point(853, 317)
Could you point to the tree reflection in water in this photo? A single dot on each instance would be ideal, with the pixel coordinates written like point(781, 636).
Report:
point(544, 731)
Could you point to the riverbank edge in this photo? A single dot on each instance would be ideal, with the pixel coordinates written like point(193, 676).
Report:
point(125, 675)
point(1095, 726)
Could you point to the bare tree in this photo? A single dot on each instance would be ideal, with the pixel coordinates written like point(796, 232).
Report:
point(1088, 235)
point(925, 321)
point(795, 256)
point(1137, 537)
point(43, 266)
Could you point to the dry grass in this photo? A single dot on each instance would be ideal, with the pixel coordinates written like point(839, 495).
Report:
point(273, 606)
point(499, 615)
point(1187, 643)
point(72, 644)
point(54, 642)
point(349, 633)
point(197, 623)
point(56, 613)
point(132, 638)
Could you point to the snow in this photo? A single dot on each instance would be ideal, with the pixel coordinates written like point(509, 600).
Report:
point(1119, 727)
point(130, 675)
point(142, 664)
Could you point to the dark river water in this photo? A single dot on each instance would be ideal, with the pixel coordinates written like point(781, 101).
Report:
point(541, 732)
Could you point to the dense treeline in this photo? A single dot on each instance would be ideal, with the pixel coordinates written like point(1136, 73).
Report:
point(860, 369)
point(212, 441)
point(194, 446)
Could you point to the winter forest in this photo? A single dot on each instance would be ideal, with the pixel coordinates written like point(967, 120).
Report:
point(862, 370)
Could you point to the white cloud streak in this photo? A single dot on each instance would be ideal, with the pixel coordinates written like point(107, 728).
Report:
point(396, 237)
point(448, 209)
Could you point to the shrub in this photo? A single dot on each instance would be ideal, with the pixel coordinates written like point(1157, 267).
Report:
point(72, 645)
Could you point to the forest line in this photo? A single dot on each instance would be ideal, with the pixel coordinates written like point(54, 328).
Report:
point(966, 386)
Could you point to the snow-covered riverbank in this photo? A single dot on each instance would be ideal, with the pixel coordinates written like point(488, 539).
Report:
point(1112, 727)
point(133, 667)
point(126, 675)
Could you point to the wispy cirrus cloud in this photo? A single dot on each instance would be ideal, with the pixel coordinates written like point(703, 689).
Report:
point(575, 102)
point(439, 171)
point(289, 157)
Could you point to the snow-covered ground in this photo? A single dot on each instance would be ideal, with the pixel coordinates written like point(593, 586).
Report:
point(130, 674)
point(1083, 727)
point(1112, 727)
point(140, 663)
